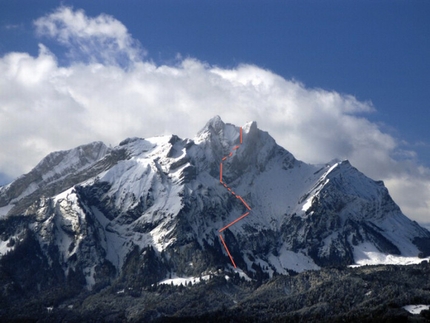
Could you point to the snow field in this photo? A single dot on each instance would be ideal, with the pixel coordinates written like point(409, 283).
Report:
point(416, 309)
point(177, 281)
point(367, 254)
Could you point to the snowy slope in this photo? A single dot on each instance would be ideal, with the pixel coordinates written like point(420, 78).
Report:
point(425, 225)
point(160, 202)
point(51, 175)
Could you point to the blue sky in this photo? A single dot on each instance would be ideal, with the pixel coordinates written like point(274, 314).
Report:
point(376, 51)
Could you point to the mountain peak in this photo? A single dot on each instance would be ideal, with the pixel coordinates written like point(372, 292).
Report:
point(250, 126)
point(215, 124)
point(229, 132)
point(54, 168)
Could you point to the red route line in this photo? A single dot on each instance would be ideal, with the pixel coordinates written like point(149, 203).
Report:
point(228, 252)
point(237, 196)
point(230, 224)
point(246, 205)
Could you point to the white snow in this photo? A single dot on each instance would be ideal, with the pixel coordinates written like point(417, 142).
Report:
point(399, 229)
point(288, 259)
point(29, 189)
point(330, 169)
point(89, 276)
point(274, 190)
point(4, 246)
point(115, 245)
point(73, 160)
point(130, 180)
point(416, 309)
point(242, 274)
point(5, 209)
point(367, 254)
point(158, 236)
point(307, 204)
point(177, 281)
point(327, 243)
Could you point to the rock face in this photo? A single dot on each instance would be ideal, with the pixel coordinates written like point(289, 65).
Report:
point(150, 209)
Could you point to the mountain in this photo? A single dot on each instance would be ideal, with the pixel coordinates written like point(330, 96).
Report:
point(151, 209)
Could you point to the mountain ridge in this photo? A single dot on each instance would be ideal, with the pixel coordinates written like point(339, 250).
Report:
point(159, 201)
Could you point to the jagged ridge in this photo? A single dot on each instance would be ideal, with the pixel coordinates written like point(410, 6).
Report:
point(158, 202)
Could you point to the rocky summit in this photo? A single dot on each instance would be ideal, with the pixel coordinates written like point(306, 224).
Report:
point(147, 213)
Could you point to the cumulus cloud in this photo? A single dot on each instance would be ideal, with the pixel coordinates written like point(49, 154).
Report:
point(45, 106)
point(102, 39)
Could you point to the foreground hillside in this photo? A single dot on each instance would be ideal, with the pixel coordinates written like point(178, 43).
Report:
point(364, 294)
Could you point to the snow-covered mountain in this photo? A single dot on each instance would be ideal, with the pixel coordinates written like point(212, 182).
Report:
point(152, 208)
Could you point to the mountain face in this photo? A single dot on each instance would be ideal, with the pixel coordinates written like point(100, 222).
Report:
point(151, 209)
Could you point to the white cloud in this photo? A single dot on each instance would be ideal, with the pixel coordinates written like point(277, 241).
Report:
point(411, 191)
point(46, 107)
point(100, 39)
